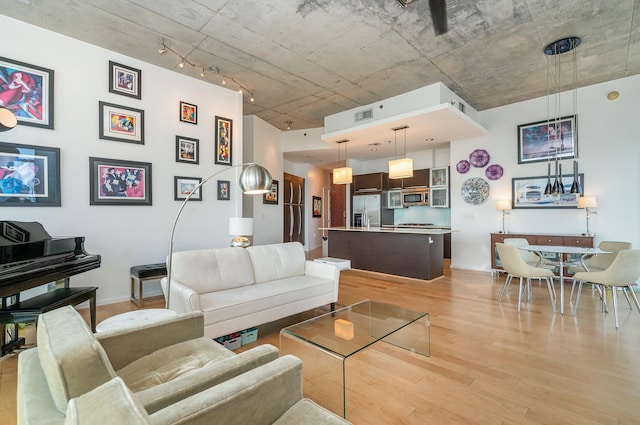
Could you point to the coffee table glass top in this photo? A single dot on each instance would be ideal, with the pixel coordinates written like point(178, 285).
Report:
point(348, 330)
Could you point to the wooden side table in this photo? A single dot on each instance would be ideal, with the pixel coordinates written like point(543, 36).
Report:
point(142, 273)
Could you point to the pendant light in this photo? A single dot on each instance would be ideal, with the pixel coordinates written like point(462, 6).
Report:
point(403, 167)
point(342, 175)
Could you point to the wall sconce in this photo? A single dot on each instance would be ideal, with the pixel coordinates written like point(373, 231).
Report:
point(587, 202)
point(343, 329)
point(503, 205)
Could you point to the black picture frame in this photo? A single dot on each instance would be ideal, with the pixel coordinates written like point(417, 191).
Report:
point(528, 193)
point(271, 197)
point(128, 184)
point(29, 175)
point(224, 140)
point(36, 107)
point(188, 113)
point(183, 185)
point(125, 80)
point(187, 150)
point(120, 123)
point(541, 141)
point(224, 190)
point(317, 206)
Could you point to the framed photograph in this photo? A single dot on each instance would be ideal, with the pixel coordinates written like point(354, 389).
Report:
point(188, 113)
point(224, 140)
point(29, 176)
point(187, 150)
point(271, 197)
point(528, 192)
point(317, 206)
point(124, 80)
point(120, 123)
point(183, 186)
point(27, 90)
point(119, 182)
point(224, 190)
point(549, 139)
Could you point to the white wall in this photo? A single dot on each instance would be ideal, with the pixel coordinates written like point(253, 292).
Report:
point(609, 157)
point(124, 235)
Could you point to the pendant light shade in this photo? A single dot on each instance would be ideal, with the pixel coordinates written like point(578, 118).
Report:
point(343, 175)
point(403, 167)
point(255, 179)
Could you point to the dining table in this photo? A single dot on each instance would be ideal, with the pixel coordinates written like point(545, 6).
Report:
point(561, 251)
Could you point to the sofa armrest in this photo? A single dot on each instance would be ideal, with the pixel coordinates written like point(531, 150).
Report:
point(324, 270)
point(161, 396)
point(126, 345)
point(35, 405)
point(183, 298)
point(257, 397)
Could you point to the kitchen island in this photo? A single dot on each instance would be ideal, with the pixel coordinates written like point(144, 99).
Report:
point(415, 253)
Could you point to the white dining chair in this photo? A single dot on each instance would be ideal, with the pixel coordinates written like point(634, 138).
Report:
point(532, 258)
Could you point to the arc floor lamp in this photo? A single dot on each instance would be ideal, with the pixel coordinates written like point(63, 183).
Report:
point(253, 180)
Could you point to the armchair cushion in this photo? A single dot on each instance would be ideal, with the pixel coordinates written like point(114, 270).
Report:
point(277, 261)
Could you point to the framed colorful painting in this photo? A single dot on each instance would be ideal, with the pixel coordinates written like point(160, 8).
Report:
point(187, 150)
point(188, 113)
point(124, 80)
point(121, 123)
point(119, 182)
point(271, 197)
point(224, 190)
point(183, 186)
point(528, 192)
point(27, 90)
point(29, 176)
point(224, 140)
point(548, 140)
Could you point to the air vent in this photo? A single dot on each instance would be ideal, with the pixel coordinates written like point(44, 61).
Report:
point(364, 115)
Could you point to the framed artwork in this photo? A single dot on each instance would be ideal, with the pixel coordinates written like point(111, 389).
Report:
point(124, 80)
point(119, 182)
point(187, 150)
point(27, 90)
point(549, 139)
point(317, 206)
point(183, 186)
point(224, 140)
point(528, 192)
point(120, 123)
point(271, 197)
point(29, 176)
point(224, 190)
point(188, 113)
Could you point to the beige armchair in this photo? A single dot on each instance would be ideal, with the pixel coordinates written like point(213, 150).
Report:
point(515, 266)
point(268, 394)
point(161, 363)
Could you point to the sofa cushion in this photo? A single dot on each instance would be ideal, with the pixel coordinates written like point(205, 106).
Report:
point(229, 304)
point(208, 270)
point(72, 360)
point(277, 261)
point(172, 362)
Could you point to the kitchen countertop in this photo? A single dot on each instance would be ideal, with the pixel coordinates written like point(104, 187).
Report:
point(416, 231)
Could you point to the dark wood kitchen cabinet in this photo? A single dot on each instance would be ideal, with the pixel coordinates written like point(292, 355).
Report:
point(420, 179)
point(372, 182)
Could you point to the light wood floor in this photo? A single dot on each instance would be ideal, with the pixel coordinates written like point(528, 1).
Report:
point(489, 365)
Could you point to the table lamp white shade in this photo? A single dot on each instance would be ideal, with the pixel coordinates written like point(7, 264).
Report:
point(587, 202)
point(503, 204)
point(240, 226)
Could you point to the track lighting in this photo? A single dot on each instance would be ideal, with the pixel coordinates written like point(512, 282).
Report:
point(224, 81)
point(162, 50)
point(181, 64)
point(252, 99)
point(289, 125)
point(203, 73)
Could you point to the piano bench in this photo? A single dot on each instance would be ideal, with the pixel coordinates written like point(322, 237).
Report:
point(141, 274)
point(29, 310)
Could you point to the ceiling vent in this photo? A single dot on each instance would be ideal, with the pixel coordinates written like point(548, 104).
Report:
point(364, 115)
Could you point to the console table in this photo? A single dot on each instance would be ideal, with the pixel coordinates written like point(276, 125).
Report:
point(536, 239)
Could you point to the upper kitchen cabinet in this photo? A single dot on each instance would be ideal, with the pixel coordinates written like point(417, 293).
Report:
point(439, 187)
point(372, 182)
point(420, 179)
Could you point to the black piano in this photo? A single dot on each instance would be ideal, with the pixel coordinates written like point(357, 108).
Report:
point(30, 257)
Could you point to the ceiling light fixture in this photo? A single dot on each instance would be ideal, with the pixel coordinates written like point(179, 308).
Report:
point(203, 73)
point(405, 3)
point(289, 124)
point(182, 62)
point(162, 50)
point(403, 167)
point(342, 175)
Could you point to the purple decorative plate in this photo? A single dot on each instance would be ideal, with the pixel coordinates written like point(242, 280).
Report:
point(479, 158)
point(463, 166)
point(493, 172)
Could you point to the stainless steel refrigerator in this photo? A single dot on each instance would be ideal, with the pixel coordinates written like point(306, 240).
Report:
point(366, 207)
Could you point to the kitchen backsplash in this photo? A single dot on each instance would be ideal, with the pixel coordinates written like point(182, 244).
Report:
point(417, 214)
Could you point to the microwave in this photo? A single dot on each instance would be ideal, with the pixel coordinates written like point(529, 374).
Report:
point(417, 196)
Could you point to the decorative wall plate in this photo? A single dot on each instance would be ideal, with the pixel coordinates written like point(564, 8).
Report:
point(493, 172)
point(475, 191)
point(463, 166)
point(479, 158)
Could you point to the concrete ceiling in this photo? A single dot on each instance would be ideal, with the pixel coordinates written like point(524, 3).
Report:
point(305, 59)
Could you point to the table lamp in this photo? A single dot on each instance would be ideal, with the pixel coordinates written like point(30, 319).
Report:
point(587, 202)
point(503, 205)
point(240, 228)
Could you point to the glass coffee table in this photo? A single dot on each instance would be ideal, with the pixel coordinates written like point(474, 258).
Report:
point(324, 343)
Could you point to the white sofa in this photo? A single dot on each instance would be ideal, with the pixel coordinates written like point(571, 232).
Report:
point(238, 288)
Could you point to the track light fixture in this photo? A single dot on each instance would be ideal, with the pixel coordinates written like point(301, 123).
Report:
point(203, 73)
point(162, 50)
point(289, 124)
point(181, 64)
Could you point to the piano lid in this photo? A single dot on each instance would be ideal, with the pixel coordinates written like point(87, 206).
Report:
point(27, 241)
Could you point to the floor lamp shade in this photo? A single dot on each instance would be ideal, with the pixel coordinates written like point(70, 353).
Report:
point(255, 180)
point(401, 168)
point(342, 175)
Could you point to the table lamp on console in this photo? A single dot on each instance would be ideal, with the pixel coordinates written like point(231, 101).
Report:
point(587, 202)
